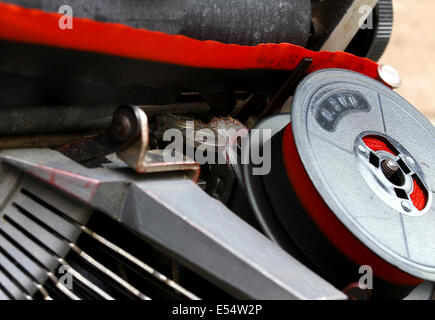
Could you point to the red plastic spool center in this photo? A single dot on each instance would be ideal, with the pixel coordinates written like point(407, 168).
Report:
point(418, 197)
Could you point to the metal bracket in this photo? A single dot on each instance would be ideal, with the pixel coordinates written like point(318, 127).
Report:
point(142, 160)
point(128, 137)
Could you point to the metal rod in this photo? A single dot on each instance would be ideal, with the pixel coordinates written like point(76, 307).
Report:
point(141, 264)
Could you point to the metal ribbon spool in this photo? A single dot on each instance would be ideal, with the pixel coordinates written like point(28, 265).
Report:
point(351, 183)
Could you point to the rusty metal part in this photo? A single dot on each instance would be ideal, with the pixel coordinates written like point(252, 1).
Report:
point(124, 129)
point(138, 157)
point(154, 161)
point(128, 136)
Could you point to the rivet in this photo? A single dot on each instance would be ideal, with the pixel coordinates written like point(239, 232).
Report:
point(388, 75)
point(406, 205)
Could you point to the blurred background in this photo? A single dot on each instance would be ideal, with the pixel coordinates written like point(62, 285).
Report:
point(412, 52)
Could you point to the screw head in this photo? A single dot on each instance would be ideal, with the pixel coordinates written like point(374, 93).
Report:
point(410, 161)
point(121, 127)
point(389, 167)
point(362, 149)
point(406, 205)
point(389, 76)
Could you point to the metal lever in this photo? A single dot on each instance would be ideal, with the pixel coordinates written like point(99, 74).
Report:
point(128, 137)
